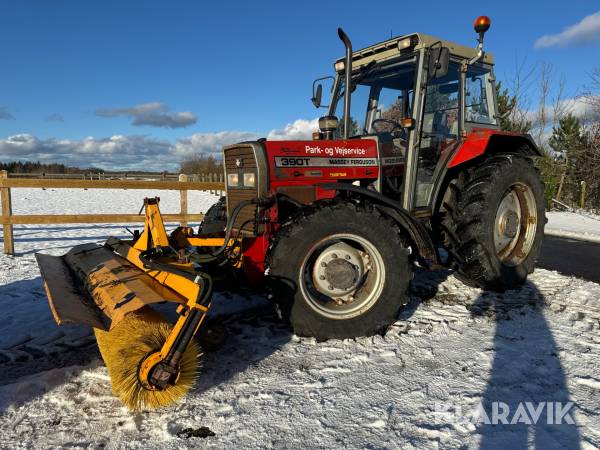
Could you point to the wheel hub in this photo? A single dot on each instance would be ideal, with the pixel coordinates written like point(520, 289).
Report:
point(338, 270)
point(509, 224)
point(515, 225)
point(341, 274)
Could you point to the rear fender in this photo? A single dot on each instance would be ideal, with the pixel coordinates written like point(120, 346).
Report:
point(484, 141)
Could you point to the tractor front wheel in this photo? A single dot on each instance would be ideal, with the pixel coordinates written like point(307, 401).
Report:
point(339, 271)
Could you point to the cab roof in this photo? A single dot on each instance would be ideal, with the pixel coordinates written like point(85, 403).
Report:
point(390, 49)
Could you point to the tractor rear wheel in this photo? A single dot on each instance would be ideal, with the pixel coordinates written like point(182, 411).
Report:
point(341, 270)
point(494, 222)
point(214, 220)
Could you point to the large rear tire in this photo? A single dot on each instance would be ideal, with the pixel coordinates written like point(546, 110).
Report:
point(341, 270)
point(494, 222)
point(215, 220)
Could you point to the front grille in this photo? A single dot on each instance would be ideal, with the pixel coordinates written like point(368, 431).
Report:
point(247, 216)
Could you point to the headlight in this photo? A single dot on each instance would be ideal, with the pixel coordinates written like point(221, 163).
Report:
point(250, 180)
point(328, 123)
point(233, 179)
point(404, 43)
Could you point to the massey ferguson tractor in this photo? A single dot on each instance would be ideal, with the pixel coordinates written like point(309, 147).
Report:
point(416, 172)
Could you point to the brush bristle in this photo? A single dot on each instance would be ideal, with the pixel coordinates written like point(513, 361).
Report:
point(127, 344)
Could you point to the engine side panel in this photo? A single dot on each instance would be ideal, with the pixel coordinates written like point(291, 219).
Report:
point(303, 162)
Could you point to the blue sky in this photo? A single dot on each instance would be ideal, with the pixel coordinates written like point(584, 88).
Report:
point(142, 83)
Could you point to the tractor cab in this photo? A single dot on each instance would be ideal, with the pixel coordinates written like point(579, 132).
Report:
point(418, 96)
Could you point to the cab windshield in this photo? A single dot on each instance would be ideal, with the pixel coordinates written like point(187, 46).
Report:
point(382, 95)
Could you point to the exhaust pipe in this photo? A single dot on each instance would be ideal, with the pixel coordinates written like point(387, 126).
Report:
point(348, 67)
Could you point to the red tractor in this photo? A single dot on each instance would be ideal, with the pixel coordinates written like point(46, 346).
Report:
point(417, 172)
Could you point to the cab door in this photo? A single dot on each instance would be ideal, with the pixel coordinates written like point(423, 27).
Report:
point(437, 136)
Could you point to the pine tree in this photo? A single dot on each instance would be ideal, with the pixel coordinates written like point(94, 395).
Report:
point(567, 138)
point(507, 112)
point(354, 129)
point(568, 141)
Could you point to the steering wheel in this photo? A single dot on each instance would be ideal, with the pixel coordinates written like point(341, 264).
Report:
point(393, 123)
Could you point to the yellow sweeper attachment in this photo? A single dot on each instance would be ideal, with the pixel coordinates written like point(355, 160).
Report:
point(151, 363)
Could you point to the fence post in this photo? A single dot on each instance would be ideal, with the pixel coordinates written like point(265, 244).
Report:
point(560, 186)
point(183, 199)
point(9, 243)
point(582, 194)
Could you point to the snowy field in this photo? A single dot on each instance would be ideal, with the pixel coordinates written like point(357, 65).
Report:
point(584, 226)
point(453, 348)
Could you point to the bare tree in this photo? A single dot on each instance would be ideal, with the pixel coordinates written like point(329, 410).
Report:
point(589, 167)
point(592, 96)
point(520, 85)
point(200, 164)
point(541, 122)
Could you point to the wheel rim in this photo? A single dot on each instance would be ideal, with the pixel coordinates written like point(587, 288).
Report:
point(342, 276)
point(515, 225)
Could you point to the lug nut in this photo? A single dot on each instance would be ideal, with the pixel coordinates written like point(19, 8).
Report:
point(330, 287)
point(323, 264)
point(347, 256)
point(334, 256)
point(322, 277)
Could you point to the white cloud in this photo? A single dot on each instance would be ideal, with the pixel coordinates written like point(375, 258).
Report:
point(587, 31)
point(120, 152)
point(300, 129)
point(155, 114)
point(210, 142)
point(115, 152)
point(580, 107)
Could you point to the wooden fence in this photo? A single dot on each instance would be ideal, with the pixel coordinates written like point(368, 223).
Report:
point(8, 219)
point(146, 176)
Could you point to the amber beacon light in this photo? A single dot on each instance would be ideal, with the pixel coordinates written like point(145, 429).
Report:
point(482, 24)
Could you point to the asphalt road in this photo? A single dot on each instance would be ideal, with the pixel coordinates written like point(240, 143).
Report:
point(571, 257)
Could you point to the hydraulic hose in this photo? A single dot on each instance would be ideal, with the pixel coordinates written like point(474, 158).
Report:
point(228, 229)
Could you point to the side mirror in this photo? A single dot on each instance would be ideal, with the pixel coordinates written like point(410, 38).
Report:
point(438, 62)
point(317, 95)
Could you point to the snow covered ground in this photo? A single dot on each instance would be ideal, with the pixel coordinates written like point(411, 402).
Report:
point(453, 348)
point(577, 225)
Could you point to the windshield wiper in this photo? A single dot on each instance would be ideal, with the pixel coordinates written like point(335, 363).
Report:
point(364, 71)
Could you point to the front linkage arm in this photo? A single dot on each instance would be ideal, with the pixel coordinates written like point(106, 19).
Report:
point(152, 254)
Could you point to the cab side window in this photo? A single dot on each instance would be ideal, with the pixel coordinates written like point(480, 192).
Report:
point(478, 96)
